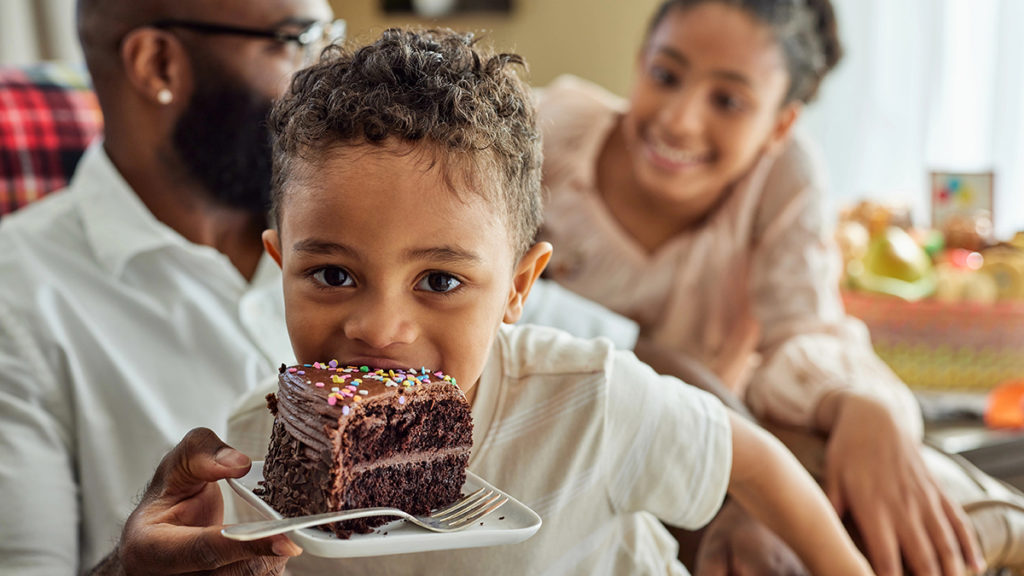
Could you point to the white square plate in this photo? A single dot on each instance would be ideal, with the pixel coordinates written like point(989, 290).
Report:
point(513, 522)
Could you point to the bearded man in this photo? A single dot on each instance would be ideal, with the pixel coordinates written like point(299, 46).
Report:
point(138, 304)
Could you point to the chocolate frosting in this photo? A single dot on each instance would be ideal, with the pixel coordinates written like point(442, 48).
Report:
point(352, 436)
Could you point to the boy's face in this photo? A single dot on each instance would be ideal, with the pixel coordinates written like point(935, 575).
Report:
point(385, 266)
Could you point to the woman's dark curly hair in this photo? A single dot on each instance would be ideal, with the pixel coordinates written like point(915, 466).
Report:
point(806, 31)
point(431, 87)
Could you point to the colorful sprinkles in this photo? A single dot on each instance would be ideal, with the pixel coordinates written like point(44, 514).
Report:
point(345, 381)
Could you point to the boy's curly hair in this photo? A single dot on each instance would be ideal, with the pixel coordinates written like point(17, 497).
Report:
point(434, 87)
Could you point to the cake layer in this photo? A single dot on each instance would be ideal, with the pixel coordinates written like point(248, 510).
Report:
point(348, 437)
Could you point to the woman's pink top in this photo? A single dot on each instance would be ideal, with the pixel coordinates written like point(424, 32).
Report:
point(752, 291)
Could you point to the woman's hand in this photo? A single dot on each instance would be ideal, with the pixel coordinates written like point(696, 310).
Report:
point(734, 544)
point(874, 471)
point(176, 527)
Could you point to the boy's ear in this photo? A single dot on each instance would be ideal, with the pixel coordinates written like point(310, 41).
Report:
point(527, 271)
point(272, 244)
point(784, 122)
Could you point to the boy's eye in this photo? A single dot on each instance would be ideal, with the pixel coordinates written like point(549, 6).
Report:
point(332, 276)
point(438, 282)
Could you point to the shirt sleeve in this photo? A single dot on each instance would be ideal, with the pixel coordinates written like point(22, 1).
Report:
point(669, 445)
point(39, 512)
point(809, 347)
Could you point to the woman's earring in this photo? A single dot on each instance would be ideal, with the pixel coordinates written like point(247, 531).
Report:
point(164, 96)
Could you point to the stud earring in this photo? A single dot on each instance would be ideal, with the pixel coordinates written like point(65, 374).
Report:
point(164, 96)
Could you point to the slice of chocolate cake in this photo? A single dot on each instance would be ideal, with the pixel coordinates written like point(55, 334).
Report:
point(355, 437)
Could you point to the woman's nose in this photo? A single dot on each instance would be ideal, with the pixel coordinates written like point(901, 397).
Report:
point(380, 320)
point(683, 114)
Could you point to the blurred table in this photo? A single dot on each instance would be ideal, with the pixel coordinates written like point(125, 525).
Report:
point(953, 423)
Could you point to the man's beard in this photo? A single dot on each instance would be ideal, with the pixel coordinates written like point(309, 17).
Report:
point(223, 141)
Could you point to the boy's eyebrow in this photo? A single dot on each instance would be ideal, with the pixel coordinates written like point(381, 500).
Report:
point(682, 60)
point(314, 246)
point(441, 254)
point(445, 255)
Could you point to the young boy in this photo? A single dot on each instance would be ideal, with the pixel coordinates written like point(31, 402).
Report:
point(407, 196)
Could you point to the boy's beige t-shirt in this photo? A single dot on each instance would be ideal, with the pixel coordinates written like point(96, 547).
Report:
point(590, 438)
point(752, 292)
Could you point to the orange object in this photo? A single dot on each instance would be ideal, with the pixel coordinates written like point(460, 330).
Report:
point(1005, 406)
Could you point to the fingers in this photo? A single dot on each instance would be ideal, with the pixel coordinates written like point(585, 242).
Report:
point(201, 457)
point(194, 549)
point(934, 540)
point(920, 549)
point(880, 540)
point(965, 536)
point(262, 566)
point(834, 489)
point(943, 537)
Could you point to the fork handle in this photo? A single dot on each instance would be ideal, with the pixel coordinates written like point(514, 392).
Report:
point(256, 530)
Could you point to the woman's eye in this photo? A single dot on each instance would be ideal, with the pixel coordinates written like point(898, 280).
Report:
point(727, 102)
point(438, 282)
point(662, 76)
point(332, 276)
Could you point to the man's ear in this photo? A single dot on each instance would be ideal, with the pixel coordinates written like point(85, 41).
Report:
point(157, 67)
point(784, 122)
point(272, 244)
point(527, 271)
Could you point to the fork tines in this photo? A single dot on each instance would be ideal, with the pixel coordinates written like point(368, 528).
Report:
point(470, 508)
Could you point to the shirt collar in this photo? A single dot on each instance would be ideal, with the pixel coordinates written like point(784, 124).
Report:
point(117, 224)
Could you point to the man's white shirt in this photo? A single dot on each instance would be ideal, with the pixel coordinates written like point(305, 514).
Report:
point(117, 336)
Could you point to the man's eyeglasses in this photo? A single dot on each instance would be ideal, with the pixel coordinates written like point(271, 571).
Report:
point(310, 38)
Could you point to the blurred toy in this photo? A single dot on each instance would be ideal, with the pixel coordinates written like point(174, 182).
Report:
point(1017, 241)
point(876, 216)
point(968, 231)
point(958, 278)
point(930, 239)
point(896, 265)
point(852, 238)
point(1005, 264)
point(1005, 406)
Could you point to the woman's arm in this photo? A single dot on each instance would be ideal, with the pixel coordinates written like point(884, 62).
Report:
point(819, 372)
point(769, 482)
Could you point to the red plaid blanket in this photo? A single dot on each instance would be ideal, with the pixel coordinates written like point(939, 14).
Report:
point(48, 116)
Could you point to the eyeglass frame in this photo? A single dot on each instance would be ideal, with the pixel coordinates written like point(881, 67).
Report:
point(316, 30)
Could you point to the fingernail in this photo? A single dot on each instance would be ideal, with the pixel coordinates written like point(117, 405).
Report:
point(231, 458)
point(285, 547)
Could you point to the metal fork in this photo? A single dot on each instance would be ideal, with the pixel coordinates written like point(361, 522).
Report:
point(458, 516)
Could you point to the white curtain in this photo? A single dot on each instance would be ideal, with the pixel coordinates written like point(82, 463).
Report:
point(36, 30)
point(925, 85)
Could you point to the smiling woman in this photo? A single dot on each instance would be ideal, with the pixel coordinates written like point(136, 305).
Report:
point(694, 209)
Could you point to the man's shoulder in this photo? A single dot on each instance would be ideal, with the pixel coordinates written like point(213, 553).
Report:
point(52, 224)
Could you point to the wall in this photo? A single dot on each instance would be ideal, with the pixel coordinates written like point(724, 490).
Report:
point(595, 39)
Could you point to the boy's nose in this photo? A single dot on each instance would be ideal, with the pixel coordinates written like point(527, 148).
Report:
point(379, 321)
